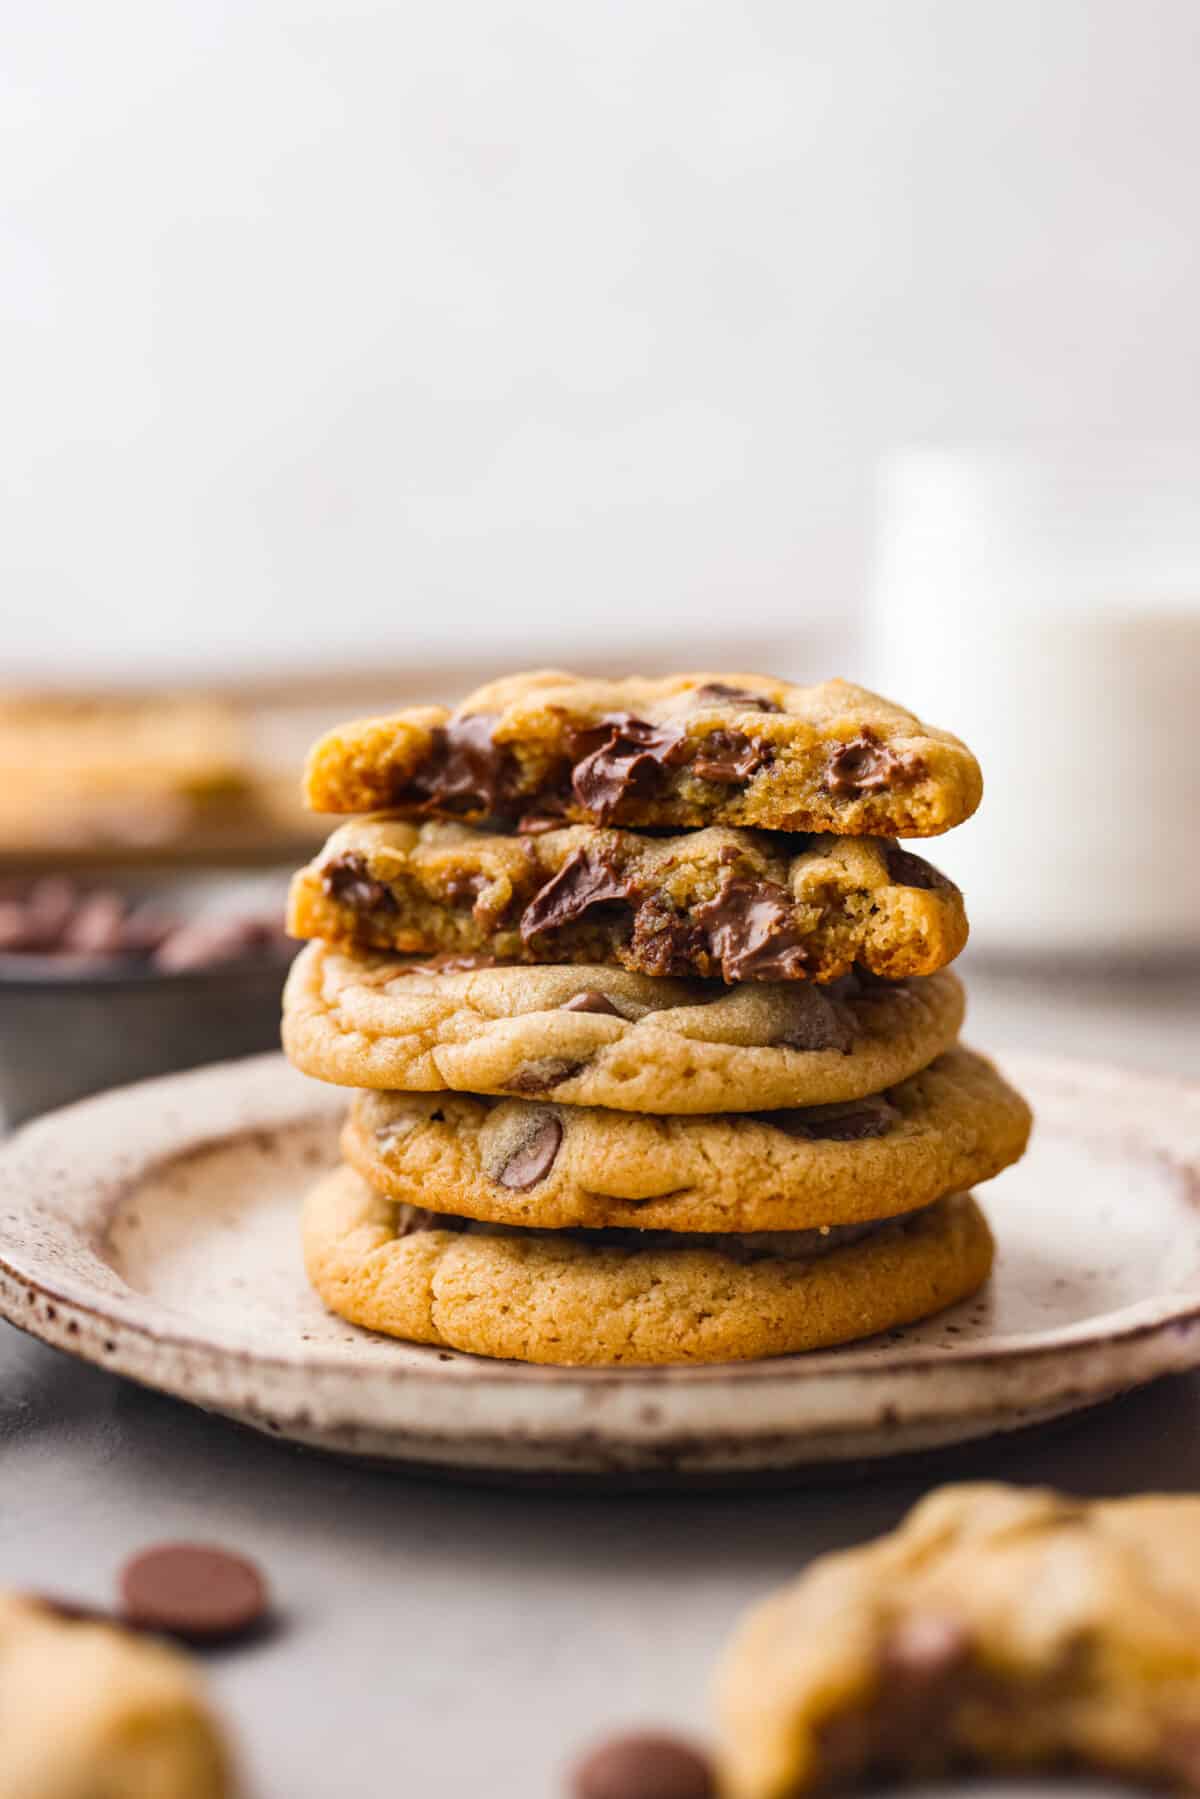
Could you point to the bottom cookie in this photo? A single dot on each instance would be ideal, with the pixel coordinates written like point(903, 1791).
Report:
point(611, 1297)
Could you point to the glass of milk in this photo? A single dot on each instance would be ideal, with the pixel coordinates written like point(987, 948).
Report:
point(1045, 605)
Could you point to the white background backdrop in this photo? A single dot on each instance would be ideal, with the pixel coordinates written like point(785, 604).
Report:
point(345, 330)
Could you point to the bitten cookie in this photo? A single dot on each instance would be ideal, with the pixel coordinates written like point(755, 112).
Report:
point(601, 1037)
point(684, 750)
point(730, 904)
point(88, 1711)
point(551, 1296)
point(999, 1627)
point(542, 1166)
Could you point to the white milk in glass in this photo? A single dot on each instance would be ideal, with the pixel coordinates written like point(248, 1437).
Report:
point(1047, 608)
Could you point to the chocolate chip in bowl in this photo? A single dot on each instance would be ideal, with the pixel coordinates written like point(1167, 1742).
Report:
point(103, 983)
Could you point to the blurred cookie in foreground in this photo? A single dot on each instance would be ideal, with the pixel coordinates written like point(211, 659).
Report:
point(679, 750)
point(597, 1036)
point(90, 1711)
point(606, 1298)
point(998, 1628)
point(722, 904)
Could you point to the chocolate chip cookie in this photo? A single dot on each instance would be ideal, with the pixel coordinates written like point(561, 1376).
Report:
point(720, 903)
point(601, 1037)
point(998, 1628)
point(88, 1711)
point(571, 1299)
point(683, 751)
point(524, 1163)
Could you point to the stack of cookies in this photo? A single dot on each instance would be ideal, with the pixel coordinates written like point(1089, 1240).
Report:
point(651, 1020)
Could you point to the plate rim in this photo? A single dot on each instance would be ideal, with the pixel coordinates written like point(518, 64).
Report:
point(1166, 1328)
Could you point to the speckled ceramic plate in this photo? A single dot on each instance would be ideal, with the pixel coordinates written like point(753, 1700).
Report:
point(153, 1230)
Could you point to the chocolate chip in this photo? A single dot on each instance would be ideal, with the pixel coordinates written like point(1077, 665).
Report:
point(533, 1159)
point(729, 756)
point(644, 1765)
point(622, 757)
point(540, 1077)
point(49, 908)
point(590, 1001)
point(752, 927)
point(587, 878)
point(906, 870)
point(207, 942)
point(865, 765)
point(194, 1592)
point(850, 1123)
point(348, 881)
point(464, 771)
point(815, 1022)
point(96, 927)
point(85, 926)
point(721, 691)
point(411, 1220)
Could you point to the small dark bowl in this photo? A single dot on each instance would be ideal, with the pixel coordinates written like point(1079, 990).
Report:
point(64, 1034)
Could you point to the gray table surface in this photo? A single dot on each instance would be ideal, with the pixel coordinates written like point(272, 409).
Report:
point(446, 1640)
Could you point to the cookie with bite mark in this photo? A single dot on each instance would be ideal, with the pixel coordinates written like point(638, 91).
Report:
point(718, 904)
point(683, 751)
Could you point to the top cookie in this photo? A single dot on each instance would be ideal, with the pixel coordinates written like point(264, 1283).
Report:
point(681, 750)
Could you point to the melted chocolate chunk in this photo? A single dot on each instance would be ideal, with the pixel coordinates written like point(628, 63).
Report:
point(590, 1001)
point(752, 928)
point(643, 1766)
point(722, 692)
point(532, 1161)
point(549, 811)
point(540, 1077)
point(587, 878)
point(348, 881)
point(622, 757)
point(412, 1219)
point(926, 1669)
point(664, 943)
point(907, 870)
point(817, 1022)
point(842, 1124)
point(865, 765)
point(729, 757)
point(463, 772)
